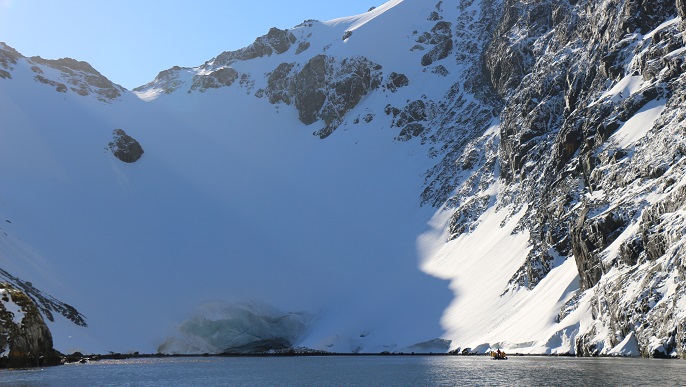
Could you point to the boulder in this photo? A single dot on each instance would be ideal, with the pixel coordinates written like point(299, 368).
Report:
point(410, 131)
point(125, 147)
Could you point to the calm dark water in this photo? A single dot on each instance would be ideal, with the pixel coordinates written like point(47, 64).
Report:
point(358, 371)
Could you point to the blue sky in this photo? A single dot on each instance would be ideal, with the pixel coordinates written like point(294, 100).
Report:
point(130, 41)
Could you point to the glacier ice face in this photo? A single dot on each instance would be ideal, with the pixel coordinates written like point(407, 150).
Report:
point(246, 327)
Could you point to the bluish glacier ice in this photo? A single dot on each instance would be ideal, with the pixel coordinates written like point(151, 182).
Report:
point(245, 327)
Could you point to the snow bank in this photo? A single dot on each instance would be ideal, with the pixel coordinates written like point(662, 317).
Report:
point(483, 314)
point(624, 88)
point(638, 125)
point(628, 347)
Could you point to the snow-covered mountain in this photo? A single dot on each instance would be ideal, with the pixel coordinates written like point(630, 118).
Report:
point(458, 175)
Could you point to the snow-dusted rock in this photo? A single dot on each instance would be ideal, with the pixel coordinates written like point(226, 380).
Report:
point(64, 74)
point(323, 88)
point(125, 147)
point(584, 153)
point(25, 340)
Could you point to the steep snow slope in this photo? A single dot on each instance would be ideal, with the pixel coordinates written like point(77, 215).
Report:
point(233, 200)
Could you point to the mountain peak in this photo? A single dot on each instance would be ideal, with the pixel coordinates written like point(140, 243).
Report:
point(65, 74)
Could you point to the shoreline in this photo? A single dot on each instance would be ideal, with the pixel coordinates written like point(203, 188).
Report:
point(80, 358)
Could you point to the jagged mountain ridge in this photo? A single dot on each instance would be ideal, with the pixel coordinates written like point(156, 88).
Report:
point(65, 75)
point(544, 130)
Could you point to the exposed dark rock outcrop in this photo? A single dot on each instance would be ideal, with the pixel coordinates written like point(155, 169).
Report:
point(125, 147)
point(441, 38)
point(396, 81)
point(323, 89)
point(8, 58)
point(25, 340)
point(59, 87)
point(302, 46)
point(411, 119)
point(222, 77)
point(276, 41)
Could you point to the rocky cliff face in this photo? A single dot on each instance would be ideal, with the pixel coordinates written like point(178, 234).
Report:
point(591, 148)
point(25, 340)
point(323, 88)
point(25, 310)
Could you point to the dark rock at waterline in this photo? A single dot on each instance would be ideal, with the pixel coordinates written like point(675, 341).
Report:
point(25, 340)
